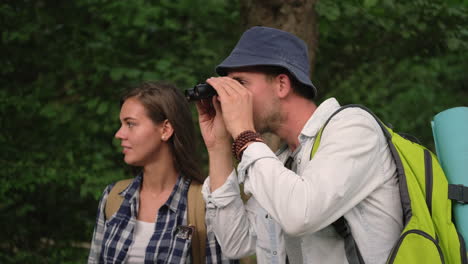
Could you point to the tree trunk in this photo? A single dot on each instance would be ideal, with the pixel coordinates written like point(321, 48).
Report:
point(294, 16)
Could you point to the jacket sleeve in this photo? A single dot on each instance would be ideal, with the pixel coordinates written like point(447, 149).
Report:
point(229, 219)
point(99, 228)
point(214, 253)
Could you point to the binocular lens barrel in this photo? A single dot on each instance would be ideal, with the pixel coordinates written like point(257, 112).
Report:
point(199, 92)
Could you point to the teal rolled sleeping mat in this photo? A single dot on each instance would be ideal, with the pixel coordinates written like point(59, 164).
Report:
point(450, 131)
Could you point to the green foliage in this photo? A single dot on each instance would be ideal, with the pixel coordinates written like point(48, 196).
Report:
point(406, 61)
point(63, 66)
point(63, 254)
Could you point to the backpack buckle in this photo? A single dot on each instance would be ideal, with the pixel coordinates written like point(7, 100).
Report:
point(458, 193)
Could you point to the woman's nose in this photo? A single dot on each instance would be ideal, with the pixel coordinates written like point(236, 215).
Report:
point(119, 134)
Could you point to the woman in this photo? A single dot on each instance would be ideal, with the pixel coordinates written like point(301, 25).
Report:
point(149, 224)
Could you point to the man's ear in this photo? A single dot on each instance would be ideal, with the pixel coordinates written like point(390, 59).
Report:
point(166, 130)
point(284, 87)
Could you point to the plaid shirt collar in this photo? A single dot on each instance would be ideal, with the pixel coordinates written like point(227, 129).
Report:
point(132, 194)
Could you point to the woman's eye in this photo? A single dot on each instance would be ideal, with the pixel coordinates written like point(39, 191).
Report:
point(130, 124)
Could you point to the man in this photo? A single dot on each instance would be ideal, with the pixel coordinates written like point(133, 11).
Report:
point(288, 219)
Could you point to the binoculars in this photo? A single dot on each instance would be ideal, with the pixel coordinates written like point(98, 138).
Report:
point(199, 92)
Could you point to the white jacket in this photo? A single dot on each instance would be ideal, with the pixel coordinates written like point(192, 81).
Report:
point(352, 174)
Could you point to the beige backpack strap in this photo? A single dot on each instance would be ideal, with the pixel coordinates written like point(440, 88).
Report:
point(114, 200)
point(196, 218)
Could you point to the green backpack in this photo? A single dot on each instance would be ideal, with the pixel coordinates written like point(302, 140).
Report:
point(429, 234)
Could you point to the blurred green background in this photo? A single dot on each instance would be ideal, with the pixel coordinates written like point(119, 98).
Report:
point(63, 65)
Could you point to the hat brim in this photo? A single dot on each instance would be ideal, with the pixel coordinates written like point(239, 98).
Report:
point(239, 60)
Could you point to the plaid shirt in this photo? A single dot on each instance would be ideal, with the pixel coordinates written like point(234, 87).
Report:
point(113, 238)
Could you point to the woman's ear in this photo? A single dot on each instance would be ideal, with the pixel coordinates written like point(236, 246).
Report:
point(283, 85)
point(166, 130)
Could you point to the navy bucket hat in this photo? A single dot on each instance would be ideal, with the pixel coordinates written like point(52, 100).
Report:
point(272, 47)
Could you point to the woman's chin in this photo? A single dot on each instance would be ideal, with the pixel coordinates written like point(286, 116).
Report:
point(132, 162)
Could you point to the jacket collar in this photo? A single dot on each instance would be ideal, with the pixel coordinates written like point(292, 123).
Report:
point(315, 122)
point(318, 119)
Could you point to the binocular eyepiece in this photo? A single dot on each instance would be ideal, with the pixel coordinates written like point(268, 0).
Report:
point(199, 92)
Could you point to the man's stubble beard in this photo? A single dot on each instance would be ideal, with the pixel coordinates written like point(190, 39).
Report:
point(270, 122)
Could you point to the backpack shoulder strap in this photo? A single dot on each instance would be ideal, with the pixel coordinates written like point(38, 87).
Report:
point(114, 200)
point(196, 218)
point(353, 254)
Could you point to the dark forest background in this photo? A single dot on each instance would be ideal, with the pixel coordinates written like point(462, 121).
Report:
point(63, 65)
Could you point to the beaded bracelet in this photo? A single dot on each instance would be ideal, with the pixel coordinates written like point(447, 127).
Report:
point(240, 143)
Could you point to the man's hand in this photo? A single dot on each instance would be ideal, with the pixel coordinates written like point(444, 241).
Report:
point(217, 141)
point(212, 126)
point(236, 104)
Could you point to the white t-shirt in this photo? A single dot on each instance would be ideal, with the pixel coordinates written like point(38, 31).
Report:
point(143, 232)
